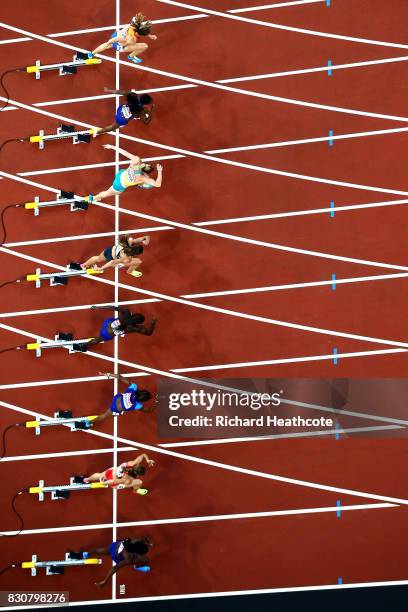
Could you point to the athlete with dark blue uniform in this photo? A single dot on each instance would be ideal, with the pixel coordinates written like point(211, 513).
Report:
point(125, 323)
point(136, 107)
point(123, 553)
point(130, 400)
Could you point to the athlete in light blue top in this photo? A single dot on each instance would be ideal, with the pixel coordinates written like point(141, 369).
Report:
point(136, 175)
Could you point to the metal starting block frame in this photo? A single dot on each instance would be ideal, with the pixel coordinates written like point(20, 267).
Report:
point(59, 420)
point(63, 198)
point(64, 131)
point(57, 567)
point(63, 491)
point(61, 341)
point(64, 68)
point(61, 278)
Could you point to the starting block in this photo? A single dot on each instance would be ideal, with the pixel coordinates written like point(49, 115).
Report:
point(61, 278)
point(63, 198)
point(61, 341)
point(76, 483)
point(57, 567)
point(64, 131)
point(62, 418)
point(79, 59)
point(63, 491)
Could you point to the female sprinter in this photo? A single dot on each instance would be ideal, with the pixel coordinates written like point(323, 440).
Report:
point(125, 323)
point(126, 39)
point(124, 253)
point(137, 175)
point(123, 553)
point(124, 476)
point(132, 399)
point(136, 107)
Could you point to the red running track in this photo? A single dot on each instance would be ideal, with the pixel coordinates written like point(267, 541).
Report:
point(289, 550)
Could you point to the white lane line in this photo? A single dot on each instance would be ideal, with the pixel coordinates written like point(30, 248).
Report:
point(273, 75)
point(214, 84)
point(289, 360)
point(167, 20)
point(277, 26)
point(205, 519)
point(224, 366)
point(253, 147)
point(213, 233)
point(116, 298)
point(392, 423)
point(239, 469)
point(242, 315)
point(361, 279)
point(219, 160)
point(207, 595)
point(241, 79)
point(160, 228)
point(303, 141)
point(92, 166)
point(305, 434)
point(98, 451)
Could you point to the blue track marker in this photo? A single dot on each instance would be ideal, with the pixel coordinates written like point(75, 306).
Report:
point(338, 504)
point(335, 356)
point(329, 67)
point(333, 282)
point(337, 436)
point(331, 142)
point(332, 209)
point(339, 580)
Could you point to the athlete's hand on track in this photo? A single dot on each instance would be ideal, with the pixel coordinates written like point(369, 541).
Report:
point(159, 168)
point(150, 463)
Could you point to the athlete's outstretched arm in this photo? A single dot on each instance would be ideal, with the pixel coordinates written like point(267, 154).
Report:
point(112, 571)
point(134, 158)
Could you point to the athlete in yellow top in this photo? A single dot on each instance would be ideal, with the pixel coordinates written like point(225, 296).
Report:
point(136, 175)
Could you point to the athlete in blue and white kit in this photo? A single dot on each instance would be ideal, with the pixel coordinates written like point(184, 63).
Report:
point(125, 323)
point(136, 107)
point(132, 399)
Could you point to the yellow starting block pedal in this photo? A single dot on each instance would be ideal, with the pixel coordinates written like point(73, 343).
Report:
point(33, 346)
point(136, 273)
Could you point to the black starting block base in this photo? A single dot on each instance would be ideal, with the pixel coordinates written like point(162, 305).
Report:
point(54, 569)
point(78, 556)
point(60, 494)
point(78, 480)
point(64, 414)
point(67, 70)
point(66, 337)
point(60, 280)
point(81, 425)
